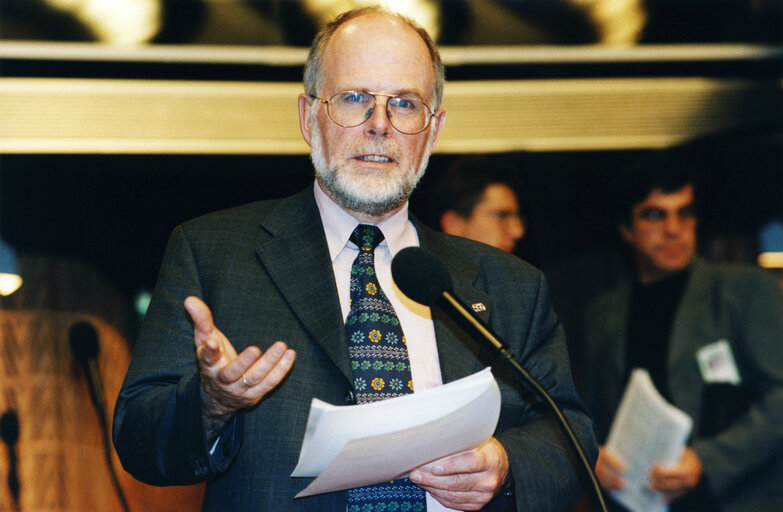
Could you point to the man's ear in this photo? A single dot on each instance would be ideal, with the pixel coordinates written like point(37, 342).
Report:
point(304, 116)
point(452, 223)
point(440, 121)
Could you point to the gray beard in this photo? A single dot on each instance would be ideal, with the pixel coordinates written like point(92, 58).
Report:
point(383, 195)
point(352, 197)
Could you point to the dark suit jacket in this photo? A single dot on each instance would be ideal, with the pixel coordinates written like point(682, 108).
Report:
point(264, 270)
point(738, 430)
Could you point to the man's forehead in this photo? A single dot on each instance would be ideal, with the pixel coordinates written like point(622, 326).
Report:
point(362, 45)
point(369, 30)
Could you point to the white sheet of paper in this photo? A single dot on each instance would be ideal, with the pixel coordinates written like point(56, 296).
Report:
point(646, 430)
point(353, 446)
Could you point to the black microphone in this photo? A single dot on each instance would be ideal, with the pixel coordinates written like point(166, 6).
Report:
point(421, 276)
point(9, 431)
point(9, 427)
point(83, 339)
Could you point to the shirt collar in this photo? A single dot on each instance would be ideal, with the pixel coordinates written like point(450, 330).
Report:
point(398, 231)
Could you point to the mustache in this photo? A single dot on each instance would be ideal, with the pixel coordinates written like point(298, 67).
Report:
point(388, 148)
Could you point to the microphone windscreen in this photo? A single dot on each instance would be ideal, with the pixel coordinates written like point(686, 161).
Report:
point(84, 341)
point(9, 427)
point(420, 275)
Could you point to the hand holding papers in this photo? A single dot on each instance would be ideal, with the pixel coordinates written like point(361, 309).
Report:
point(353, 446)
point(646, 430)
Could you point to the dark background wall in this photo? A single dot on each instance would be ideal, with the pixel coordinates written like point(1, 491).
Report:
point(116, 211)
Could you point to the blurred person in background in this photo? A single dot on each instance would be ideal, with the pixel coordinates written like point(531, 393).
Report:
point(475, 198)
point(690, 324)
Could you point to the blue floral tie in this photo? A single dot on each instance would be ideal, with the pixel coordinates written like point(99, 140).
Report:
point(380, 365)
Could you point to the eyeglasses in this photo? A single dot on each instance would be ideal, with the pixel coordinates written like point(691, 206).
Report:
point(407, 114)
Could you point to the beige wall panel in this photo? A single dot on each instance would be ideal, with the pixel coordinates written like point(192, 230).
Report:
point(62, 463)
point(179, 117)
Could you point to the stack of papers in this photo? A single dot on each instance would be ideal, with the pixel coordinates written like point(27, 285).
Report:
point(646, 430)
point(354, 446)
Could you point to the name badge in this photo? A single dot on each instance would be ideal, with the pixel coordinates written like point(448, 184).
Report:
point(717, 364)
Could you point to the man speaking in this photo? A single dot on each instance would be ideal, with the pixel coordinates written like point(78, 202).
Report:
point(211, 395)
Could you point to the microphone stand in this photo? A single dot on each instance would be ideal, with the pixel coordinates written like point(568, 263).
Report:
point(107, 450)
point(471, 324)
point(9, 428)
point(84, 346)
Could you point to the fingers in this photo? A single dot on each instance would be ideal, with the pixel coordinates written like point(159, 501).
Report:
point(211, 345)
point(208, 353)
point(268, 371)
point(202, 318)
point(458, 465)
point(233, 371)
point(609, 470)
point(611, 459)
point(678, 478)
point(459, 500)
point(466, 481)
point(489, 457)
point(672, 486)
point(229, 381)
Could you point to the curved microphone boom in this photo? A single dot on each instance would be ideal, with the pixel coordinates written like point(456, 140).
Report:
point(83, 339)
point(421, 276)
point(9, 431)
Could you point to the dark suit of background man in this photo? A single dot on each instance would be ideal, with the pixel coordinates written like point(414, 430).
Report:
point(687, 322)
point(233, 413)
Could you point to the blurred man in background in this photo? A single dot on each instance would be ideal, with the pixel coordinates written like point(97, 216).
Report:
point(711, 338)
point(475, 198)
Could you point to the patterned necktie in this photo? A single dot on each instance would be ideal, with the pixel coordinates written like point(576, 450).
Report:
point(380, 365)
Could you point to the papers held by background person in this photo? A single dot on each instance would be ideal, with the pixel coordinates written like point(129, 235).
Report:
point(646, 430)
point(353, 446)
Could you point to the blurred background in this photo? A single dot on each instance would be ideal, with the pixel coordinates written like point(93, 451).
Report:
point(122, 118)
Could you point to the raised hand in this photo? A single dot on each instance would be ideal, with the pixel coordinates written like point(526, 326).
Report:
point(231, 381)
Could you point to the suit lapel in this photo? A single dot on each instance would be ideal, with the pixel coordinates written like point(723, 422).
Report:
point(296, 256)
point(297, 259)
point(617, 322)
point(458, 355)
point(682, 344)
